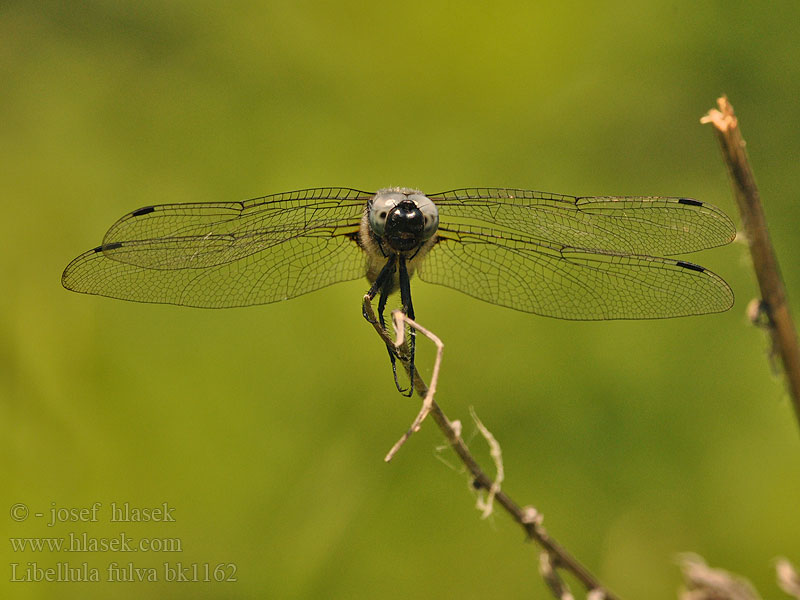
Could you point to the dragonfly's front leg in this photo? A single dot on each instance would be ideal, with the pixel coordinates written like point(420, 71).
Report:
point(408, 309)
point(390, 348)
point(386, 274)
point(383, 285)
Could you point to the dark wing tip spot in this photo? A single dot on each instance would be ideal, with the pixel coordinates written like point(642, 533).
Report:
point(143, 211)
point(690, 266)
point(690, 201)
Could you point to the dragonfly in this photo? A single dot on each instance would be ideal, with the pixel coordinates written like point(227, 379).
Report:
point(555, 255)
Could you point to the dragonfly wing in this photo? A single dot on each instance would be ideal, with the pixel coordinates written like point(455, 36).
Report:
point(297, 266)
point(571, 283)
point(227, 254)
point(198, 235)
point(624, 224)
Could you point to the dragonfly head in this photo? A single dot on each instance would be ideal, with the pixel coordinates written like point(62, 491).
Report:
point(403, 218)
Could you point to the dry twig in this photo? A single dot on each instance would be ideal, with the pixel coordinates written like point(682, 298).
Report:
point(788, 578)
point(773, 293)
point(705, 583)
point(487, 505)
point(399, 321)
point(527, 517)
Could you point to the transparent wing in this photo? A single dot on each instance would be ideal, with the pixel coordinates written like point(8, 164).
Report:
point(624, 224)
point(571, 283)
point(216, 255)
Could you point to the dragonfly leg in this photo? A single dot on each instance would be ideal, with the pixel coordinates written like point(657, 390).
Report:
point(408, 309)
point(390, 349)
point(383, 286)
point(385, 275)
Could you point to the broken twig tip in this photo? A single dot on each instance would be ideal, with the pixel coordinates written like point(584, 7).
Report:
point(788, 578)
point(722, 117)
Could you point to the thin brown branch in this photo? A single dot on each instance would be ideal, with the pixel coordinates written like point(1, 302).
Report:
point(765, 263)
point(527, 517)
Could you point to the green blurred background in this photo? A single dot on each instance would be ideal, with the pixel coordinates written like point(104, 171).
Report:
point(265, 428)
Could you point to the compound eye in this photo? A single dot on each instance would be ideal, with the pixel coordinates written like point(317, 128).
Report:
point(379, 208)
point(430, 214)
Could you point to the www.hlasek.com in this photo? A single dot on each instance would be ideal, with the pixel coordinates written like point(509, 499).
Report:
point(83, 542)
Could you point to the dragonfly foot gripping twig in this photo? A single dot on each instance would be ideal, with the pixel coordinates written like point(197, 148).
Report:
point(399, 321)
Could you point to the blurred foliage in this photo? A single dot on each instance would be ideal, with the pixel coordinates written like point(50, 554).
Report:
point(265, 427)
